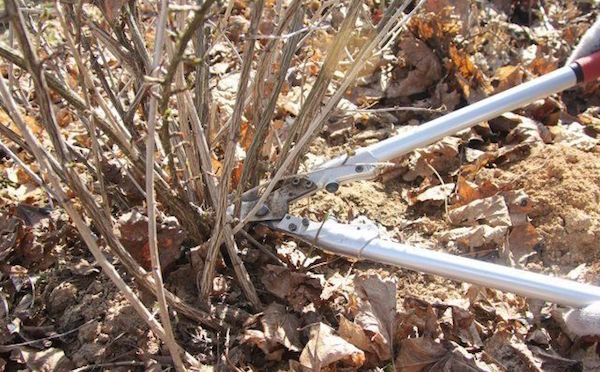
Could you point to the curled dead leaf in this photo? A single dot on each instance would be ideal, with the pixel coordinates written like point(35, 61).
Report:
point(441, 156)
point(374, 318)
point(522, 242)
point(280, 332)
point(418, 353)
point(435, 195)
point(491, 211)
point(281, 326)
point(133, 234)
point(298, 288)
point(377, 311)
point(511, 352)
point(325, 348)
point(428, 69)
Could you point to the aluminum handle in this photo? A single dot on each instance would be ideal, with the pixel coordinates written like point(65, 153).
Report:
point(363, 242)
point(464, 118)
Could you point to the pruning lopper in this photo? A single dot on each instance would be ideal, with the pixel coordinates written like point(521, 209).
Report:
point(364, 242)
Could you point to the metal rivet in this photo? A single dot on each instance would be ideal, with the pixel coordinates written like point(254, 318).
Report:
point(288, 217)
point(332, 187)
point(359, 169)
point(308, 184)
point(292, 227)
point(262, 211)
point(295, 181)
point(305, 222)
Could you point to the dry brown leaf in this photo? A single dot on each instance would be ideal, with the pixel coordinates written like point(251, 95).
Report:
point(428, 69)
point(521, 243)
point(491, 211)
point(325, 348)
point(548, 110)
point(47, 360)
point(507, 77)
point(298, 289)
point(337, 284)
point(354, 334)
point(464, 327)
point(491, 304)
point(443, 96)
point(281, 326)
point(436, 27)
point(441, 156)
point(543, 65)
point(474, 236)
point(64, 117)
point(467, 191)
point(552, 361)
point(272, 351)
point(133, 234)
point(528, 131)
point(590, 118)
point(472, 81)
point(280, 329)
point(418, 353)
point(511, 352)
point(376, 312)
point(435, 195)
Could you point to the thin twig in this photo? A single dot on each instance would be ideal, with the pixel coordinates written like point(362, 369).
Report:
point(317, 93)
point(182, 43)
point(439, 110)
point(238, 266)
point(255, 148)
point(151, 201)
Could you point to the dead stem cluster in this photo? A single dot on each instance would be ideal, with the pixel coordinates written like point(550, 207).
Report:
point(134, 79)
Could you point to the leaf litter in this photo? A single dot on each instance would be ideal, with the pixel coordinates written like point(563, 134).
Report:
point(520, 190)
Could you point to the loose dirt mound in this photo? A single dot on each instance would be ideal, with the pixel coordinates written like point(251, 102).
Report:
point(564, 185)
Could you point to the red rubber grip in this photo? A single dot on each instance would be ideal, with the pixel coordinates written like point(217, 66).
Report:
point(590, 66)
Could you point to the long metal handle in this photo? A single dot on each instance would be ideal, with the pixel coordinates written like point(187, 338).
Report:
point(363, 242)
point(465, 117)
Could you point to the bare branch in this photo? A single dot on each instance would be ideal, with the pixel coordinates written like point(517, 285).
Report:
point(151, 201)
point(182, 43)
